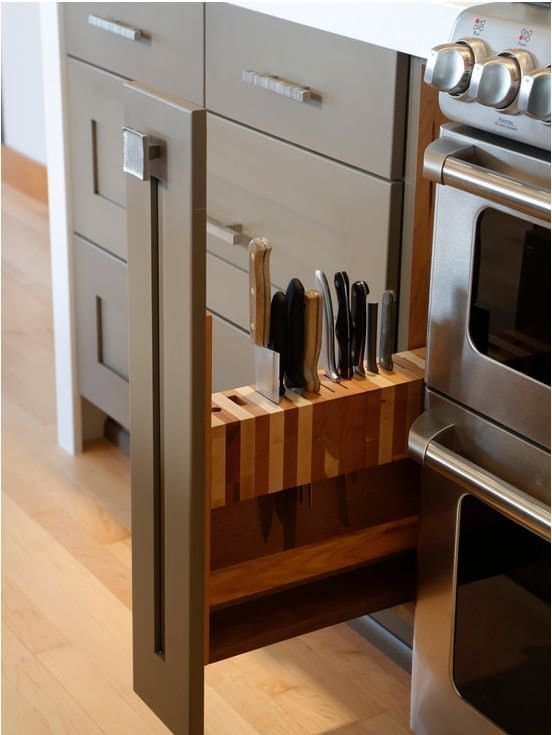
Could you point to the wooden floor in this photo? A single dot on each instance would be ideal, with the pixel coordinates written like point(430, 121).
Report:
point(66, 571)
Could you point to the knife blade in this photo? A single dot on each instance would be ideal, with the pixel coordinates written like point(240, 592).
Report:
point(295, 301)
point(343, 330)
point(372, 337)
point(313, 340)
point(279, 332)
point(259, 290)
point(359, 294)
point(387, 329)
point(322, 285)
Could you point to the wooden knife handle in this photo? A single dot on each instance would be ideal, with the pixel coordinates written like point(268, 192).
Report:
point(313, 340)
point(259, 290)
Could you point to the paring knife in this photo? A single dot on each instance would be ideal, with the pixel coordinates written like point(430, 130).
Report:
point(259, 290)
point(279, 332)
point(359, 294)
point(372, 337)
point(321, 283)
point(343, 326)
point(295, 300)
point(313, 340)
point(387, 329)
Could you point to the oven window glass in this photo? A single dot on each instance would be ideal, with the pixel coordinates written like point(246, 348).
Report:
point(501, 656)
point(510, 309)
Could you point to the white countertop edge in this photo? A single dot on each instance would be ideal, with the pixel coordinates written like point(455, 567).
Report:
point(408, 26)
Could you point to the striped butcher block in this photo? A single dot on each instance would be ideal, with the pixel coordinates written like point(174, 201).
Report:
point(258, 447)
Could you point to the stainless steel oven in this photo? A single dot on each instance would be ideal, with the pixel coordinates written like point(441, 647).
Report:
point(481, 658)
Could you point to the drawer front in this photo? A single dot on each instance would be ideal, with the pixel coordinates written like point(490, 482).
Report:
point(227, 292)
point(97, 179)
point(316, 213)
point(101, 295)
point(232, 356)
point(168, 55)
point(358, 115)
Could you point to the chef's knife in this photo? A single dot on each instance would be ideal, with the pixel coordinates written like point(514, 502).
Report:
point(279, 332)
point(295, 299)
point(322, 285)
point(259, 290)
point(372, 337)
point(387, 329)
point(359, 294)
point(313, 340)
point(343, 325)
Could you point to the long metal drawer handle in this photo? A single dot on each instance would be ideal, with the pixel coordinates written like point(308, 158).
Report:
point(115, 27)
point(232, 234)
point(444, 168)
point(283, 87)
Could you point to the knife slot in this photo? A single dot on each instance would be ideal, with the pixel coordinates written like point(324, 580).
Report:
point(237, 400)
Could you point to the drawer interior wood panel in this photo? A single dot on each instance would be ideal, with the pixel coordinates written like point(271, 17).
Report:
point(168, 55)
point(232, 356)
point(101, 295)
point(360, 116)
point(97, 179)
point(316, 213)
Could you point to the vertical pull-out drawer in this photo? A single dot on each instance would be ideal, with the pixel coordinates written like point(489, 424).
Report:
point(157, 43)
point(97, 181)
point(343, 98)
point(102, 329)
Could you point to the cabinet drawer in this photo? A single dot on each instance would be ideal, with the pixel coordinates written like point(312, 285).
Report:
point(359, 114)
point(168, 55)
point(228, 292)
point(97, 179)
point(317, 213)
point(101, 295)
point(232, 356)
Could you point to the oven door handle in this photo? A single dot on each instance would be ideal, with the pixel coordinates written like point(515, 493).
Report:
point(448, 163)
point(509, 500)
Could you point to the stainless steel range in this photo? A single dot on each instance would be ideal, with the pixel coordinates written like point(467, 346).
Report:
point(481, 661)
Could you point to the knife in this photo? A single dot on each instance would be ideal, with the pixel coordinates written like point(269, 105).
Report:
point(359, 294)
point(295, 301)
point(259, 290)
point(322, 285)
point(343, 328)
point(387, 329)
point(313, 340)
point(372, 337)
point(279, 332)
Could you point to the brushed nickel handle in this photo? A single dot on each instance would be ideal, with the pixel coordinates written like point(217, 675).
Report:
point(142, 155)
point(232, 234)
point(277, 85)
point(442, 166)
point(115, 27)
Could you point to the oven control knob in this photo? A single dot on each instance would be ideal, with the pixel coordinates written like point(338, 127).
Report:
point(449, 67)
point(497, 81)
point(534, 94)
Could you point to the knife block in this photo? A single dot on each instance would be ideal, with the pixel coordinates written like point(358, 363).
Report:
point(258, 447)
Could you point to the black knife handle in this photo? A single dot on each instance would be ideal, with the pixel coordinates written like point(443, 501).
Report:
point(343, 326)
point(279, 332)
point(372, 337)
point(295, 301)
point(359, 294)
point(387, 329)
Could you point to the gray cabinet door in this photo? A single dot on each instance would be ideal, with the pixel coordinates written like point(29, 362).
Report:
point(168, 406)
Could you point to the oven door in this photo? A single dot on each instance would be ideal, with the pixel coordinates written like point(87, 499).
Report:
point(489, 333)
point(481, 661)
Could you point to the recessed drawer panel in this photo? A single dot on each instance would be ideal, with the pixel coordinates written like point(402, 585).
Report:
point(232, 356)
point(101, 295)
point(341, 97)
point(97, 179)
point(160, 44)
point(316, 213)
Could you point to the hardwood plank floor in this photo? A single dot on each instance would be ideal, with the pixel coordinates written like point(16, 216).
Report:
point(66, 652)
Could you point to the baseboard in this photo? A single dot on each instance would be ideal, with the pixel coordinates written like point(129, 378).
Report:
point(24, 174)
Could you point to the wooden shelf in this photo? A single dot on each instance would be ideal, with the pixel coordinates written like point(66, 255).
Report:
point(258, 447)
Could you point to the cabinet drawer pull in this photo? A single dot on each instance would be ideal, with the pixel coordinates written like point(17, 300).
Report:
point(115, 27)
point(283, 87)
point(232, 234)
